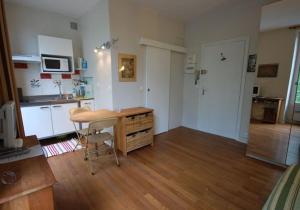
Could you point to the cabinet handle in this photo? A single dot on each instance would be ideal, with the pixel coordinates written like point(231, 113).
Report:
point(87, 103)
point(44, 107)
point(57, 106)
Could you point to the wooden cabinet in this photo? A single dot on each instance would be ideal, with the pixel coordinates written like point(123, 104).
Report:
point(61, 119)
point(136, 129)
point(269, 107)
point(34, 187)
point(37, 121)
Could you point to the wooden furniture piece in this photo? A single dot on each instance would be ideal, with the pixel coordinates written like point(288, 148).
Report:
point(98, 138)
point(133, 130)
point(271, 106)
point(8, 87)
point(33, 189)
point(136, 130)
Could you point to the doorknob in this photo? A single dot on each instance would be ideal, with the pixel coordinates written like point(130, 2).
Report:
point(148, 90)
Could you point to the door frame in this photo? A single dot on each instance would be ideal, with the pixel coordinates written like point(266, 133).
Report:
point(243, 78)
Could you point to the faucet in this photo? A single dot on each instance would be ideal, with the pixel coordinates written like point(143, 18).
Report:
point(58, 84)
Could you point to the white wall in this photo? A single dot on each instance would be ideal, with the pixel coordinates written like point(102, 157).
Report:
point(272, 49)
point(280, 14)
point(236, 20)
point(176, 90)
point(129, 22)
point(24, 24)
point(95, 30)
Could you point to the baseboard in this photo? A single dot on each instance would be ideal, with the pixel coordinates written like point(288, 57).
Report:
point(267, 161)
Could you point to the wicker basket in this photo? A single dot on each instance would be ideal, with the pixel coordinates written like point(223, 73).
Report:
point(138, 122)
point(139, 139)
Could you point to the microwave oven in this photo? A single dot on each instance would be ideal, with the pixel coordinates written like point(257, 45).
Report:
point(56, 64)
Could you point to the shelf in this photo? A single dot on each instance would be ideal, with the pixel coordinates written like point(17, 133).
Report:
point(26, 58)
point(137, 129)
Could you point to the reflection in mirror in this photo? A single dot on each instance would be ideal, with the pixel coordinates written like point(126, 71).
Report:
point(274, 114)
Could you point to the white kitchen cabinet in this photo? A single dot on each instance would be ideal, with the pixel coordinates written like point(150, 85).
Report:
point(87, 103)
point(61, 118)
point(37, 121)
point(49, 120)
point(55, 46)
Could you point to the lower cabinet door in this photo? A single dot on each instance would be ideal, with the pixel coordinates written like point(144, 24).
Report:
point(61, 118)
point(37, 121)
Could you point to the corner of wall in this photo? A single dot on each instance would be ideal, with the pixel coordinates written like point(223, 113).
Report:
point(95, 29)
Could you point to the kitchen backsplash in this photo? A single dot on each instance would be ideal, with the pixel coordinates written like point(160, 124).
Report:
point(31, 83)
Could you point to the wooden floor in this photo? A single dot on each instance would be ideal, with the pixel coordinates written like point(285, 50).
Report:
point(185, 169)
point(269, 141)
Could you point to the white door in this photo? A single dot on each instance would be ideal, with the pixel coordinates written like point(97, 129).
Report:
point(221, 87)
point(158, 63)
point(37, 121)
point(61, 118)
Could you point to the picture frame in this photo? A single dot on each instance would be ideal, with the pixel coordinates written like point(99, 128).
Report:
point(127, 67)
point(252, 63)
point(267, 70)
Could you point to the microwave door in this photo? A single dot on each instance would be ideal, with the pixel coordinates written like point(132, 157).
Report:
point(55, 64)
point(51, 64)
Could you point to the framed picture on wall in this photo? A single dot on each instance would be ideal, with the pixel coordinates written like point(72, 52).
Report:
point(268, 70)
point(127, 68)
point(252, 63)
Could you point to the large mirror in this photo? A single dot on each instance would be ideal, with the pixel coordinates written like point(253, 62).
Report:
point(274, 133)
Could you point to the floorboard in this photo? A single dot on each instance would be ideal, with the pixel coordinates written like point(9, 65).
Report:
point(186, 169)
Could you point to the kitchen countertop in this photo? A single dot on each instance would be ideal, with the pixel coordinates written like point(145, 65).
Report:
point(48, 100)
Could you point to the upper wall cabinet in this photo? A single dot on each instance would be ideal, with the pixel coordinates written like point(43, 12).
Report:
point(56, 54)
point(55, 46)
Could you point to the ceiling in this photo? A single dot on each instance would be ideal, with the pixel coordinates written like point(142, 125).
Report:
point(69, 8)
point(187, 10)
point(184, 10)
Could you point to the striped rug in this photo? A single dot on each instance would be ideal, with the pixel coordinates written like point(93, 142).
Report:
point(60, 148)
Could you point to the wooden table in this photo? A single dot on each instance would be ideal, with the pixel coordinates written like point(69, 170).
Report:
point(272, 107)
point(33, 189)
point(90, 116)
point(120, 127)
point(102, 114)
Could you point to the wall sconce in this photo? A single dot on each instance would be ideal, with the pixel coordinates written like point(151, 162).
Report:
point(105, 46)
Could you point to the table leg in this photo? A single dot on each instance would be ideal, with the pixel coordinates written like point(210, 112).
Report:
point(120, 136)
